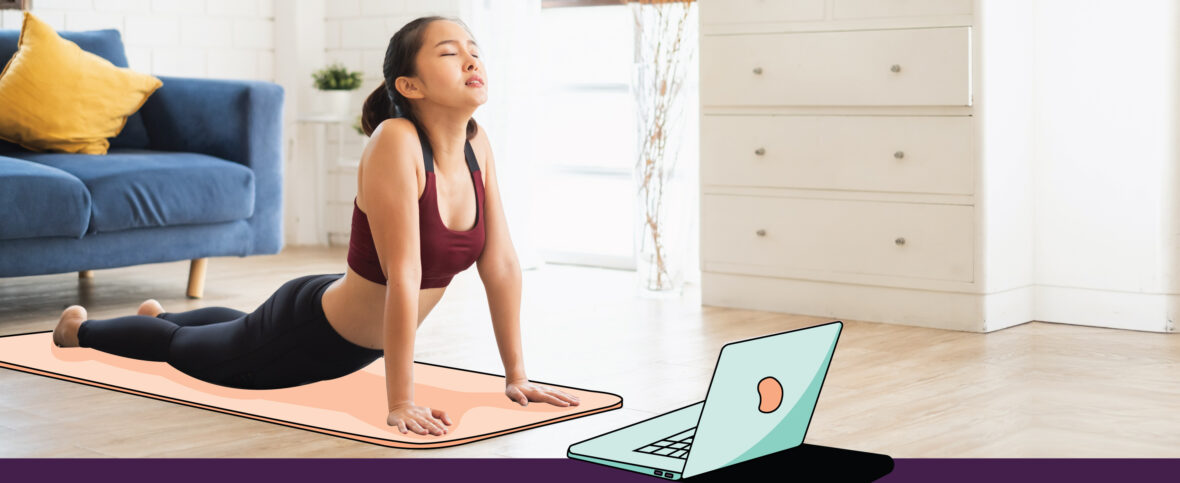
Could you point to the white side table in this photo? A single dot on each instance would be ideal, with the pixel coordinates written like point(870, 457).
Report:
point(322, 122)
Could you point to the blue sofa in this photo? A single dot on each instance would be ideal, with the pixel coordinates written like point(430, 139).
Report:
point(195, 173)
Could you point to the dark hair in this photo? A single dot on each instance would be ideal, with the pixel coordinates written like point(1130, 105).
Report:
point(386, 102)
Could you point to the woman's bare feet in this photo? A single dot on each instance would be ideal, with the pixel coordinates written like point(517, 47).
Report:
point(150, 308)
point(66, 332)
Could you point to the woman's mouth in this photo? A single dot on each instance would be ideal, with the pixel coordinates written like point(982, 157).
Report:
point(475, 83)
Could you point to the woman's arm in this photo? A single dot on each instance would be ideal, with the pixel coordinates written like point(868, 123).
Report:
point(499, 269)
point(503, 292)
point(390, 187)
point(398, 340)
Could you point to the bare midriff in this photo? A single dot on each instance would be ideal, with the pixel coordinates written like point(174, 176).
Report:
point(355, 307)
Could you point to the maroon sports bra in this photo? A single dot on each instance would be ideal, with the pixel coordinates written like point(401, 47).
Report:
point(445, 252)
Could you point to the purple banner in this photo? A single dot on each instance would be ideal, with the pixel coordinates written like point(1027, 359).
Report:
point(549, 470)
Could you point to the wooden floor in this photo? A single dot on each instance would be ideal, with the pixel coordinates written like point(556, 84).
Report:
point(1035, 390)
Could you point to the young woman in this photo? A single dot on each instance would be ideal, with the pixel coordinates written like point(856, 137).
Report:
point(420, 217)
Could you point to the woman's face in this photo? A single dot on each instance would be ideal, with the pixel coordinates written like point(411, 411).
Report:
point(448, 59)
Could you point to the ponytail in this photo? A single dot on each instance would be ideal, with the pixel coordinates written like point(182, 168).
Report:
point(378, 107)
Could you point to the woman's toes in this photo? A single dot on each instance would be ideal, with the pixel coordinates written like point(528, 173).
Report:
point(66, 332)
point(150, 308)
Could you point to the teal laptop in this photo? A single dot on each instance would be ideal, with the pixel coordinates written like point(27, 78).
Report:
point(759, 402)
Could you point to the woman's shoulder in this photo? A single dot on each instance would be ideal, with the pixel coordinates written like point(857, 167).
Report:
point(396, 129)
point(393, 148)
point(397, 137)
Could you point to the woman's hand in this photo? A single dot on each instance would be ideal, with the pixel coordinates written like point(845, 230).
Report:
point(421, 420)
point(524, 391)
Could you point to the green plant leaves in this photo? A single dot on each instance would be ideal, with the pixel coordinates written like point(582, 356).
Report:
point(336, 77)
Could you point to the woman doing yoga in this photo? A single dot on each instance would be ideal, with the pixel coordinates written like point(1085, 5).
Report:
point(423, 171)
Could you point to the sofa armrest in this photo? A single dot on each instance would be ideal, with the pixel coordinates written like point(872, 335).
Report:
point(236, 120)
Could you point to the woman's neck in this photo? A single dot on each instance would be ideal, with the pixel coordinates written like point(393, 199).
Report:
point(448, 138)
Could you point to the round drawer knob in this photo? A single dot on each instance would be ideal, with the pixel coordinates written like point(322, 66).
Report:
point(760, 151)
point(899, 241)
point(895, 68)
point(761, 232)
point(899, 154)
point(757, 70)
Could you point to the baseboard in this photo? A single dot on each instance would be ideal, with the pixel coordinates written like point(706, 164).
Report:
point(1104, 308)
point(920, 308)
point(943, 310)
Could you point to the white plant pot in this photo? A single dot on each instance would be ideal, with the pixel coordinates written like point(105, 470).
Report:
point(336, 102)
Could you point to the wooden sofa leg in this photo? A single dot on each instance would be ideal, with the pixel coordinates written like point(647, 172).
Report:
point(196, 278)
point(86, 274)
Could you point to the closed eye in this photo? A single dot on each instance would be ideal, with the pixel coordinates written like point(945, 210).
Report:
point(473, 55)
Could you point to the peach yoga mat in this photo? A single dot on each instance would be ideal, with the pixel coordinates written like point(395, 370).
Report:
point(352, 407)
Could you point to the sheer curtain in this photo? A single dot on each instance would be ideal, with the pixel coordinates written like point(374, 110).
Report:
point(507, 33)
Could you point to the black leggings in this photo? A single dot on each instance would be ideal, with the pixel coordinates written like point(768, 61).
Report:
point(287, 341)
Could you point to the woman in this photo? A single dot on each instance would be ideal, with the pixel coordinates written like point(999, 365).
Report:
point(419, 176)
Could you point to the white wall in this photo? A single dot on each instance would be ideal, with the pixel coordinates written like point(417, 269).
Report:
point(231, 39)
point(1003, 90)
point(1106, 150)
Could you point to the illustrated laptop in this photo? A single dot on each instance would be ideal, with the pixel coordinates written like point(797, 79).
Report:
point(759, 402)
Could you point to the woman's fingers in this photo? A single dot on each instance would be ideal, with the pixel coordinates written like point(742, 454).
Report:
point(432, 424)
point(420, 419)
point(561, 396)
point(441, 415)
point(568, 398)
point(426, 425)
point(517, 395)
point(540, 393)
point(545, 395)
point(415, 427)
point(421, 426)
point(514, 393)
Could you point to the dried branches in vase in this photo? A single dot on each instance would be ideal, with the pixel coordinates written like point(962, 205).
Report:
point(662, 49)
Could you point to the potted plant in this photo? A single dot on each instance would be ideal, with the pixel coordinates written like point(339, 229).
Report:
point(337, 84)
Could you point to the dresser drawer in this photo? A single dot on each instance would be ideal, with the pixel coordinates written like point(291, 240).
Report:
point(836, 236)
point(844, 9)
point(854, 68)
point(759, 11)
point(910, 154)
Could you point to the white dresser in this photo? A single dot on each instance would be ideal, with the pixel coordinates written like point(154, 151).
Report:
point(853, 167)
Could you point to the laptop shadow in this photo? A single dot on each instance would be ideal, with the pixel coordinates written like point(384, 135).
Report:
point(827, 463)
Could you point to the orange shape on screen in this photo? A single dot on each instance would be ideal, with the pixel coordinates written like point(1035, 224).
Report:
point(770, 394)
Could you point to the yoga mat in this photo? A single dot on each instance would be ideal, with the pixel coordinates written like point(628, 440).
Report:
point(352, 407)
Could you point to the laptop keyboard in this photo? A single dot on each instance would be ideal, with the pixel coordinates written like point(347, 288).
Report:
point(675, 446)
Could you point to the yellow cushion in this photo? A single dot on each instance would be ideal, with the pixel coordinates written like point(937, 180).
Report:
point(54, 96)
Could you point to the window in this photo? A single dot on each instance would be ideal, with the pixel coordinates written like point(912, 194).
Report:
point(588, 135)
